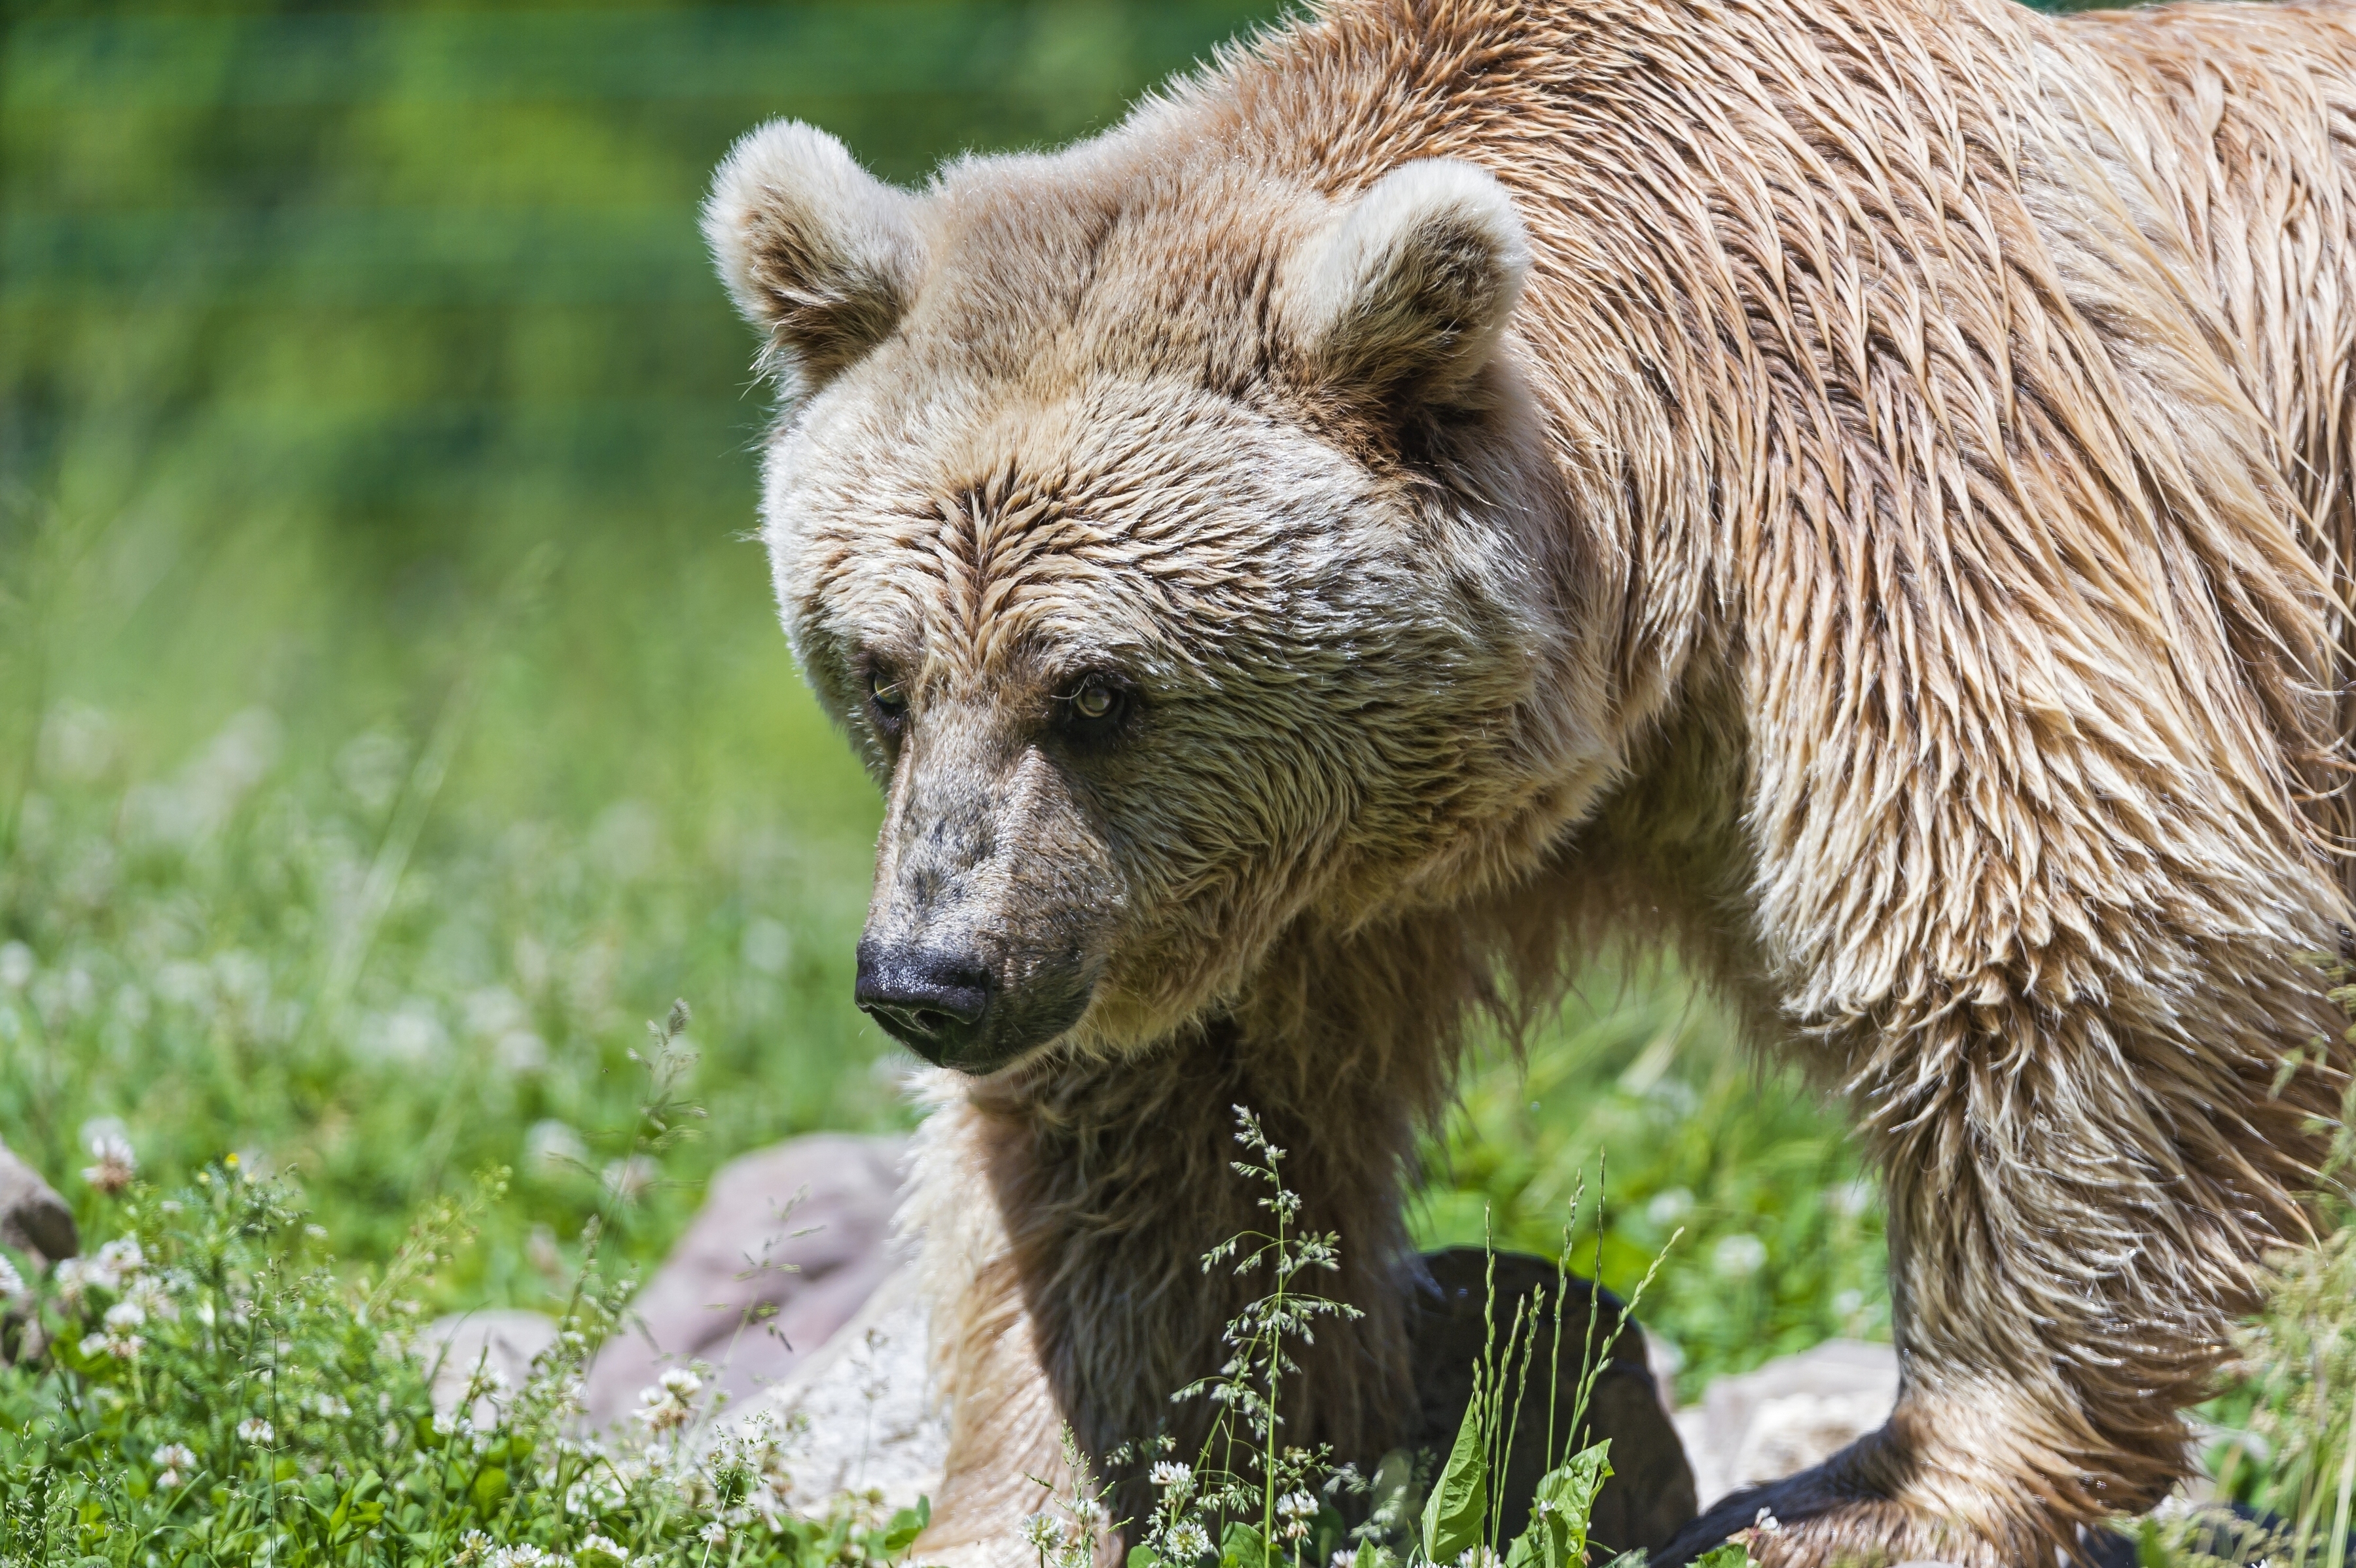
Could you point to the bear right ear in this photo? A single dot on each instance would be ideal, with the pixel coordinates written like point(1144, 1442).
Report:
point(818, 253)
point(1402, 298)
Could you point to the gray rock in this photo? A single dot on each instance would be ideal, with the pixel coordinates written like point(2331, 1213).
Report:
point(788, 1246)
point(865, 1403)
point(33, 1218)
point(499, 1346)
point(1792, 1412)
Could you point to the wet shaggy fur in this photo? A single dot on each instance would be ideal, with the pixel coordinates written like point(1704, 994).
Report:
point(1855, 487)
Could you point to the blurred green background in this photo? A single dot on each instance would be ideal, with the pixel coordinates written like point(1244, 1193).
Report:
point(392, 712)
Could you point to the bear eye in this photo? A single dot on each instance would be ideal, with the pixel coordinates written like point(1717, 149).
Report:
point(1093, 708)
point(890, 697)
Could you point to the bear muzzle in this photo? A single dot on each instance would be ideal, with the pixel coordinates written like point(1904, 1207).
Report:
point(947, 1006)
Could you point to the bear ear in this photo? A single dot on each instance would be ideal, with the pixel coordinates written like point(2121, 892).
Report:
point(818, 253)
point(1402, 297)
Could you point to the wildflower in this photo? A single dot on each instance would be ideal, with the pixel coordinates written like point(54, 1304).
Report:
point(256, 1430)
point(11, 1283)
point(714, 1534)
point(172, 1462)
point(122, 1346)
point(76, 1276)
point(1168, 1473)
point(1851, 1199)
point(669, 1402)
point(1188, 1542)
point(524, 1557)
point(116, 1162)
point(151, 1296)
point(1738, 1256)
point(1090, 1514)
point(125, 1315)
point(120, 1259)
point(1295, 1505)
point(1477, 1557)
point(594, 1545)
point(330, 1407)
point(1043, 1532)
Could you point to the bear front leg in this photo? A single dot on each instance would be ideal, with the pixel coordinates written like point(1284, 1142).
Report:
point(1005, 1460)
point(1066, 1216)
point(2075, 1210)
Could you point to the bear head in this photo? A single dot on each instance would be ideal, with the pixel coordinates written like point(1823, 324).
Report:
point(1162, 532)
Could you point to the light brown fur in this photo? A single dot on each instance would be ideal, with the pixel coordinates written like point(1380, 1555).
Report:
point(1866, 502)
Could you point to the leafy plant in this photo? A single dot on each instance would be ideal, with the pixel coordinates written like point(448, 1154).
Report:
point(2282, 1456)
point(206, 1390)
point(1248, 1501)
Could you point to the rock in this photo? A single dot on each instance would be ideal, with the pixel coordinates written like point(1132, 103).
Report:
point(500, 1344)
point(789, 1244)
point(1650, 1493)
point(1792, 1412)
point(33, 1218)
point(866, 1405)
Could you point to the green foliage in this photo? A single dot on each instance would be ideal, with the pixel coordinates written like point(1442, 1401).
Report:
point(214, 1393)
point(1783, 1244)
point(1456, 1515)
point(1268, 1506)
point(2282, 1435)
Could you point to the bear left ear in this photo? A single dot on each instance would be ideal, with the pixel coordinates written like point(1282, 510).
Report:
point(818, 253)
point(1402, 298)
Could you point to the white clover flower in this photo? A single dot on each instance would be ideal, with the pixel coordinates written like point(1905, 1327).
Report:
point(117, 1164)
point(524, 1557)
point(12, 1283)
point(74, 1276)
point(680, 1383)
point(1667, 1207)
point(172, 1462)
point(594, 1545)
point(256, 1430)
point(1188, 1542)
point(714, 1534)
point(1090, 1513)
point(1738, 1256)
point(123, 1257)
point(122, 1346)
point(1043, 1532)
point(1477, 1557)
point(125, 1315)
point(1295, 1505)
point(150, 1296)
point(1169, 1473)
point(330, 1407)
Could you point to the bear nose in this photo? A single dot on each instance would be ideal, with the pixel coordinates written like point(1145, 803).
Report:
point(932, 1002)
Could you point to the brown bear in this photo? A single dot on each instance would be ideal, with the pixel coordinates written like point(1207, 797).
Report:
point(1856, 488)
